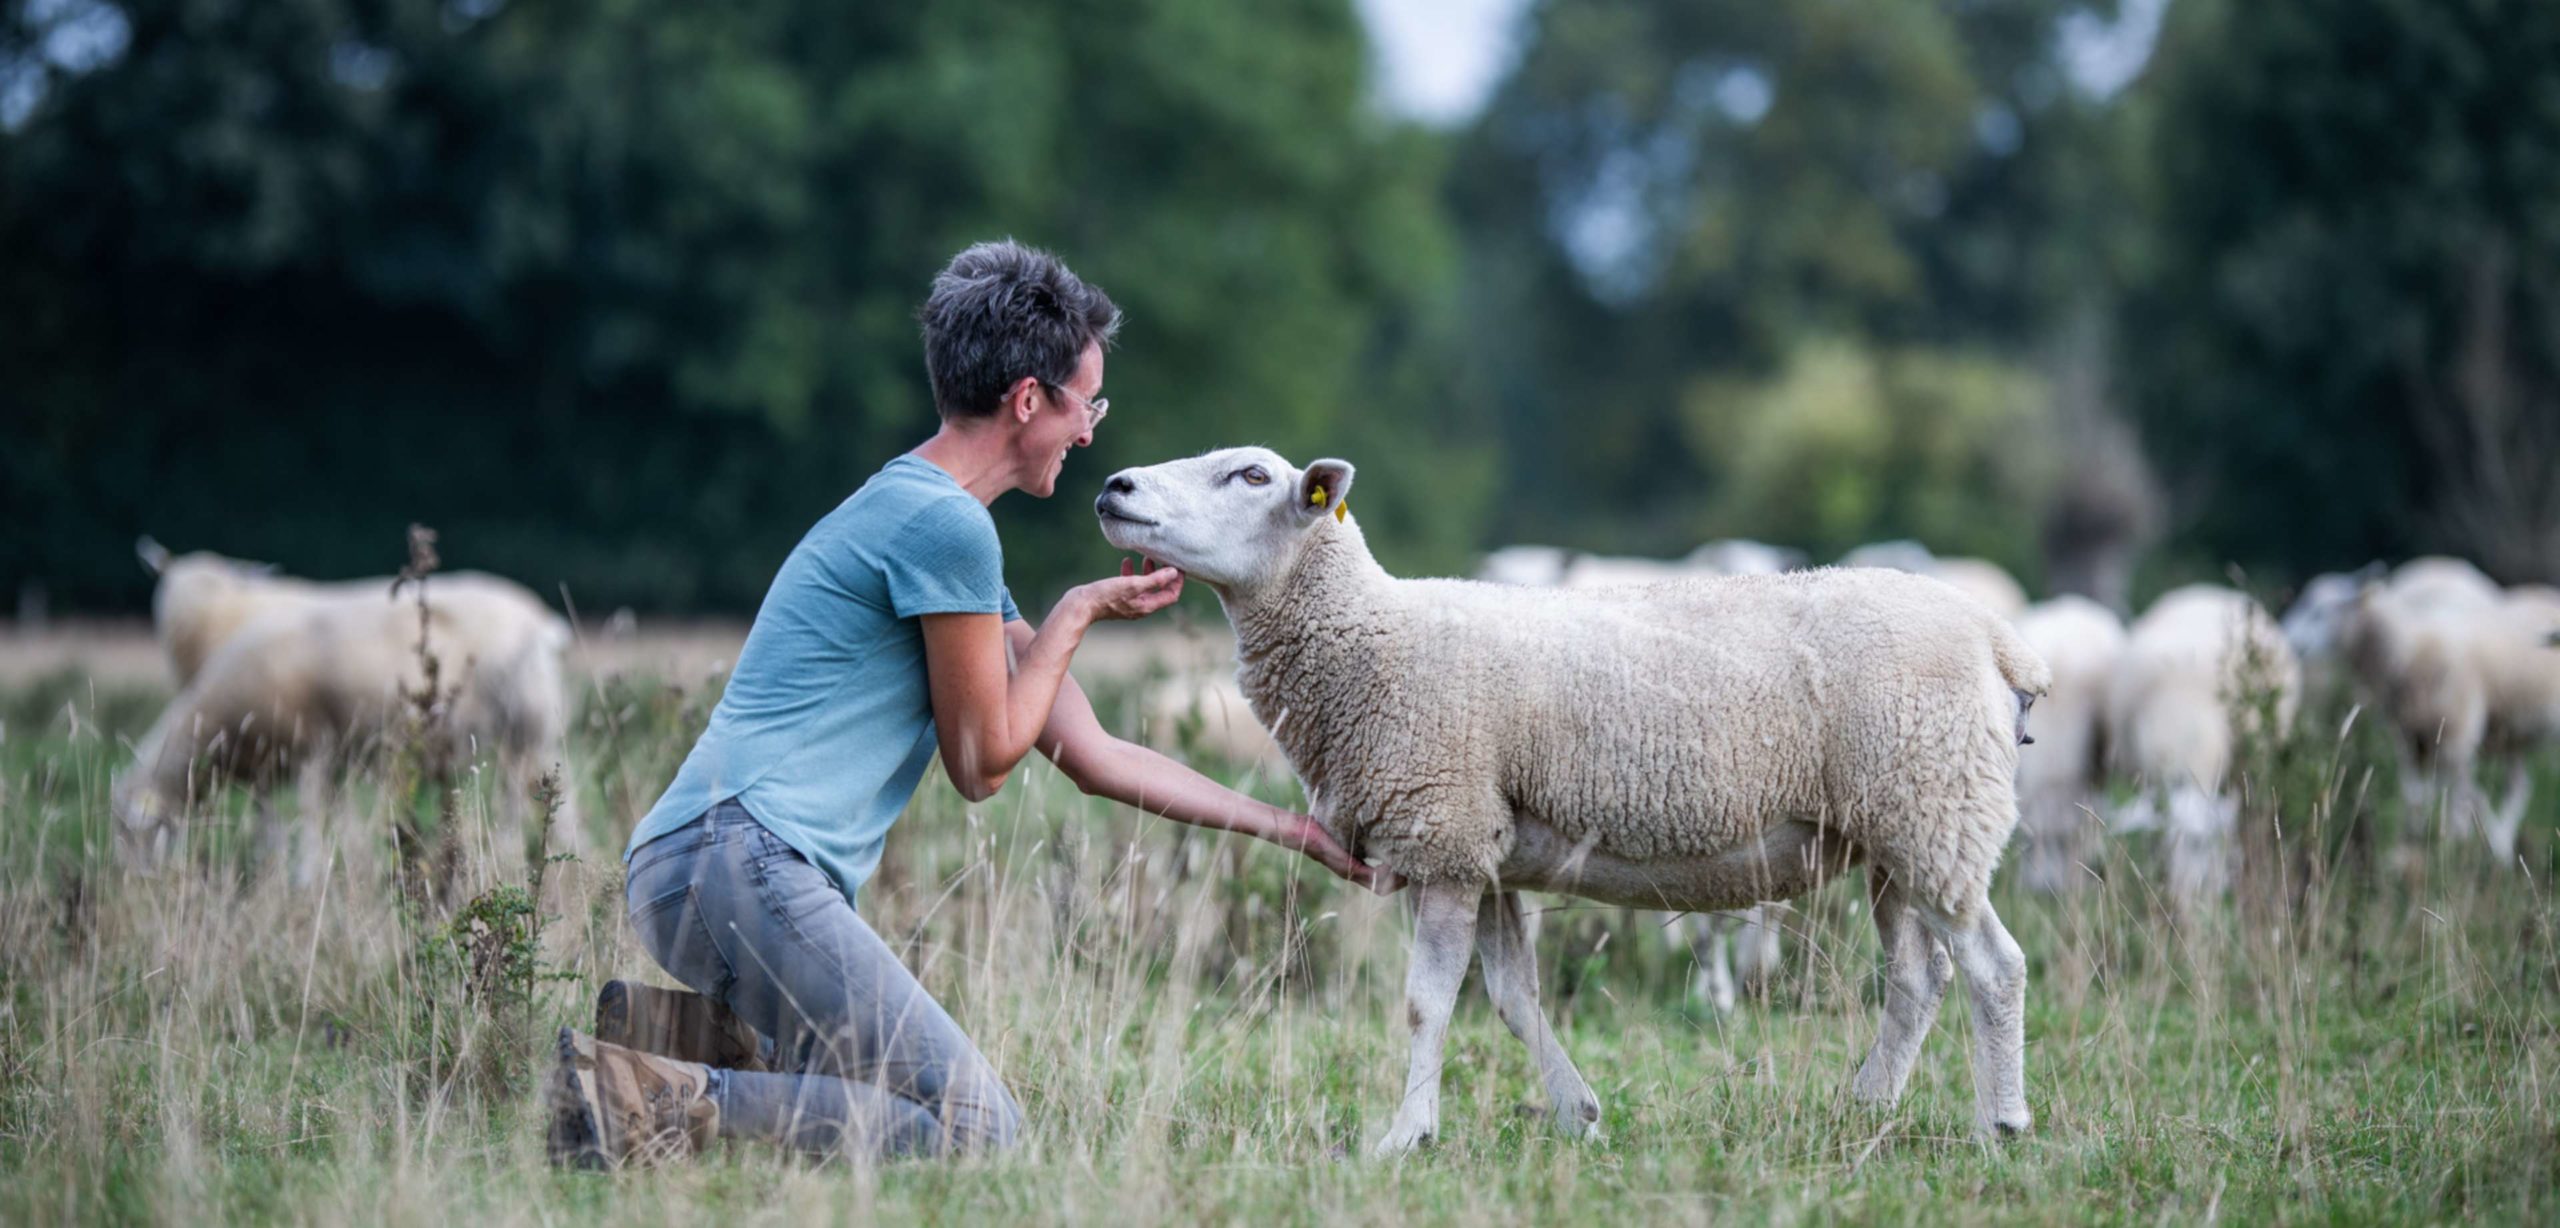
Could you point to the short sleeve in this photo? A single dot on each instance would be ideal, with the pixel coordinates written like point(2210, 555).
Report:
point(946, 561)
point(1011, 611)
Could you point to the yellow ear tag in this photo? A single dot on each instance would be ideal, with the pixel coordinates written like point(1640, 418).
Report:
point(1341, 508)
point(1317, 497)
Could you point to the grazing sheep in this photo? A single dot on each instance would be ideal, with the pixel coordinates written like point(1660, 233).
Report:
point(1211, 710)
point(318, 676)
point(1614, 571)
point(1532, 565)
point(203, 598)
point(1741, 557)
point(1980, 579)
point(2176, 706)
point(2463, 671)
point(2059, 781)
point(1703, 744)
point(2315, 625)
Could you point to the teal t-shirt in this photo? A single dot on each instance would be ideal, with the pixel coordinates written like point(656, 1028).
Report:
point(827, 723)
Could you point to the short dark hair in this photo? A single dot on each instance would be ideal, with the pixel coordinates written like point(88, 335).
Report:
point(1000, 311)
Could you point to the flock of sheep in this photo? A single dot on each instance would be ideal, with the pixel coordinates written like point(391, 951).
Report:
point(1712, 735)
point(2463, 670)
point(1671, 735)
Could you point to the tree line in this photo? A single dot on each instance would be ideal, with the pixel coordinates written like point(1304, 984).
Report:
point(619, 296)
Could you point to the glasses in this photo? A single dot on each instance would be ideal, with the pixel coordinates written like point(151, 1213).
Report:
point(1095, 410)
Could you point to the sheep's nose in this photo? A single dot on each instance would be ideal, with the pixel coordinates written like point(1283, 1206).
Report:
point(1121, 484)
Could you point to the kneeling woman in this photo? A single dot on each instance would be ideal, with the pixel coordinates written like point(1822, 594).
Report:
point(885, 636)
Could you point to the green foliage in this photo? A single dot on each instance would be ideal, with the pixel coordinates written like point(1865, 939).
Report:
point(619, 296)
point(2341, 344)
point(1848, 444)
point(1669, 198)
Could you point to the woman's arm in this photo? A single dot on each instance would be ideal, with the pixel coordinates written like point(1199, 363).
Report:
point(1105, 766)
point(986, 715)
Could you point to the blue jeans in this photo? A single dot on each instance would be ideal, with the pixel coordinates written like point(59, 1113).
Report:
point(872, 1062)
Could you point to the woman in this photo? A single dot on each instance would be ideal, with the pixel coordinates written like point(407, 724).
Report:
point(886, 636)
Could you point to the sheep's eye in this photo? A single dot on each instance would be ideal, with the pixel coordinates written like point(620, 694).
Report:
point(1254, 476)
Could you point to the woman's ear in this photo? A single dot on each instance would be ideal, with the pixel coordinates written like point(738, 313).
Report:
point(1017, 399)
point(1324, 486)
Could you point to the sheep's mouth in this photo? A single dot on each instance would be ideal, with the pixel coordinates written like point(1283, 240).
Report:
point(1110, 513)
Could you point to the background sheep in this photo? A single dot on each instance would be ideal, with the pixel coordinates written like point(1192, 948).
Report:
point(1980, 579)
point(2177, 704)
point(1194, 710)
point(2463, 671)
point(314, 673)
point(2059, 781)
point(202, 599)
point(1706, 744)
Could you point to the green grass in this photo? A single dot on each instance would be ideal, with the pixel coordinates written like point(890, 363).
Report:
point(1206, 1030)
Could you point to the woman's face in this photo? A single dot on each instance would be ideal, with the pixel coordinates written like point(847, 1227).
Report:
point(1062, 420)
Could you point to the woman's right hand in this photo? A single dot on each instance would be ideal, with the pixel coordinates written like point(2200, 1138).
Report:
point(1132, 593)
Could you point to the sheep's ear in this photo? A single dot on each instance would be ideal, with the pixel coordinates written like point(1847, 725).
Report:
point(1323, 487)
point(154, 556)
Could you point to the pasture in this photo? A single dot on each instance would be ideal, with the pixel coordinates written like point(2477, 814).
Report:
point(1203, 1030)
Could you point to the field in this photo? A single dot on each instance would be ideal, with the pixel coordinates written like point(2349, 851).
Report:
point(1206, 1031)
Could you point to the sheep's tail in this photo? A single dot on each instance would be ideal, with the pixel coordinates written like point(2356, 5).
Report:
point(2020, 666)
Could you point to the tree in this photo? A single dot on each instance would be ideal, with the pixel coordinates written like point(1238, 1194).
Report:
point(1667, 198)
point(619, 296)
point(2350, 340)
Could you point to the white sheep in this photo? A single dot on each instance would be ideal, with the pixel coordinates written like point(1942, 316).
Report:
point(201, 599)
point(2463, 671)
point(1205, 711)
point(2315, 625)
point(316, 678)
point(2181, 697)
point(1534, 565)
point(1702, 744)
point(1980, 579)
point(2060, 780)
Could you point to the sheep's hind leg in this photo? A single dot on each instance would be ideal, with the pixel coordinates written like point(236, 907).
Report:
point(1711, 945)
point(1511, 980)
point(1756, 953)
point(1916, 975)
point(2507, 821)
point(1995, 973)
point(1444, 919)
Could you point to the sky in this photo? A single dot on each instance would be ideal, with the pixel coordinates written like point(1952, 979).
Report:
point(1439, 59)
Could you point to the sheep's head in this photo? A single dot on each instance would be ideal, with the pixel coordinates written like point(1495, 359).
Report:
point(2317, 622)
point(1235, 518)
point(199, 575)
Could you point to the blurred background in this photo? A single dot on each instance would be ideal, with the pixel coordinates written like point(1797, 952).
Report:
point(619, 295)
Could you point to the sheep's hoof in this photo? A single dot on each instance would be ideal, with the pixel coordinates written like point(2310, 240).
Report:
point(1578, 1121)
point(2002, 1131)
point(1402, 1139)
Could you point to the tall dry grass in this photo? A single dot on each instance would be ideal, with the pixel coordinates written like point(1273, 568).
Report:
point(1202, 1029)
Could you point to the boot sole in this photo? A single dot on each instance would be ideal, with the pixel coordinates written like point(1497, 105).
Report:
point(576, 1140)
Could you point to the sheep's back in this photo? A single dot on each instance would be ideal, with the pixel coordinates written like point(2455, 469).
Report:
point(1689, 716)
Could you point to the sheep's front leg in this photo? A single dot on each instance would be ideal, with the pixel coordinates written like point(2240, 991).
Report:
point(1511, 980)
point(1444, 920)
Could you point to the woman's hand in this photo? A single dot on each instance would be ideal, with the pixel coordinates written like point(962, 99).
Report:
point(1131, 594)
point(1310, 837)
